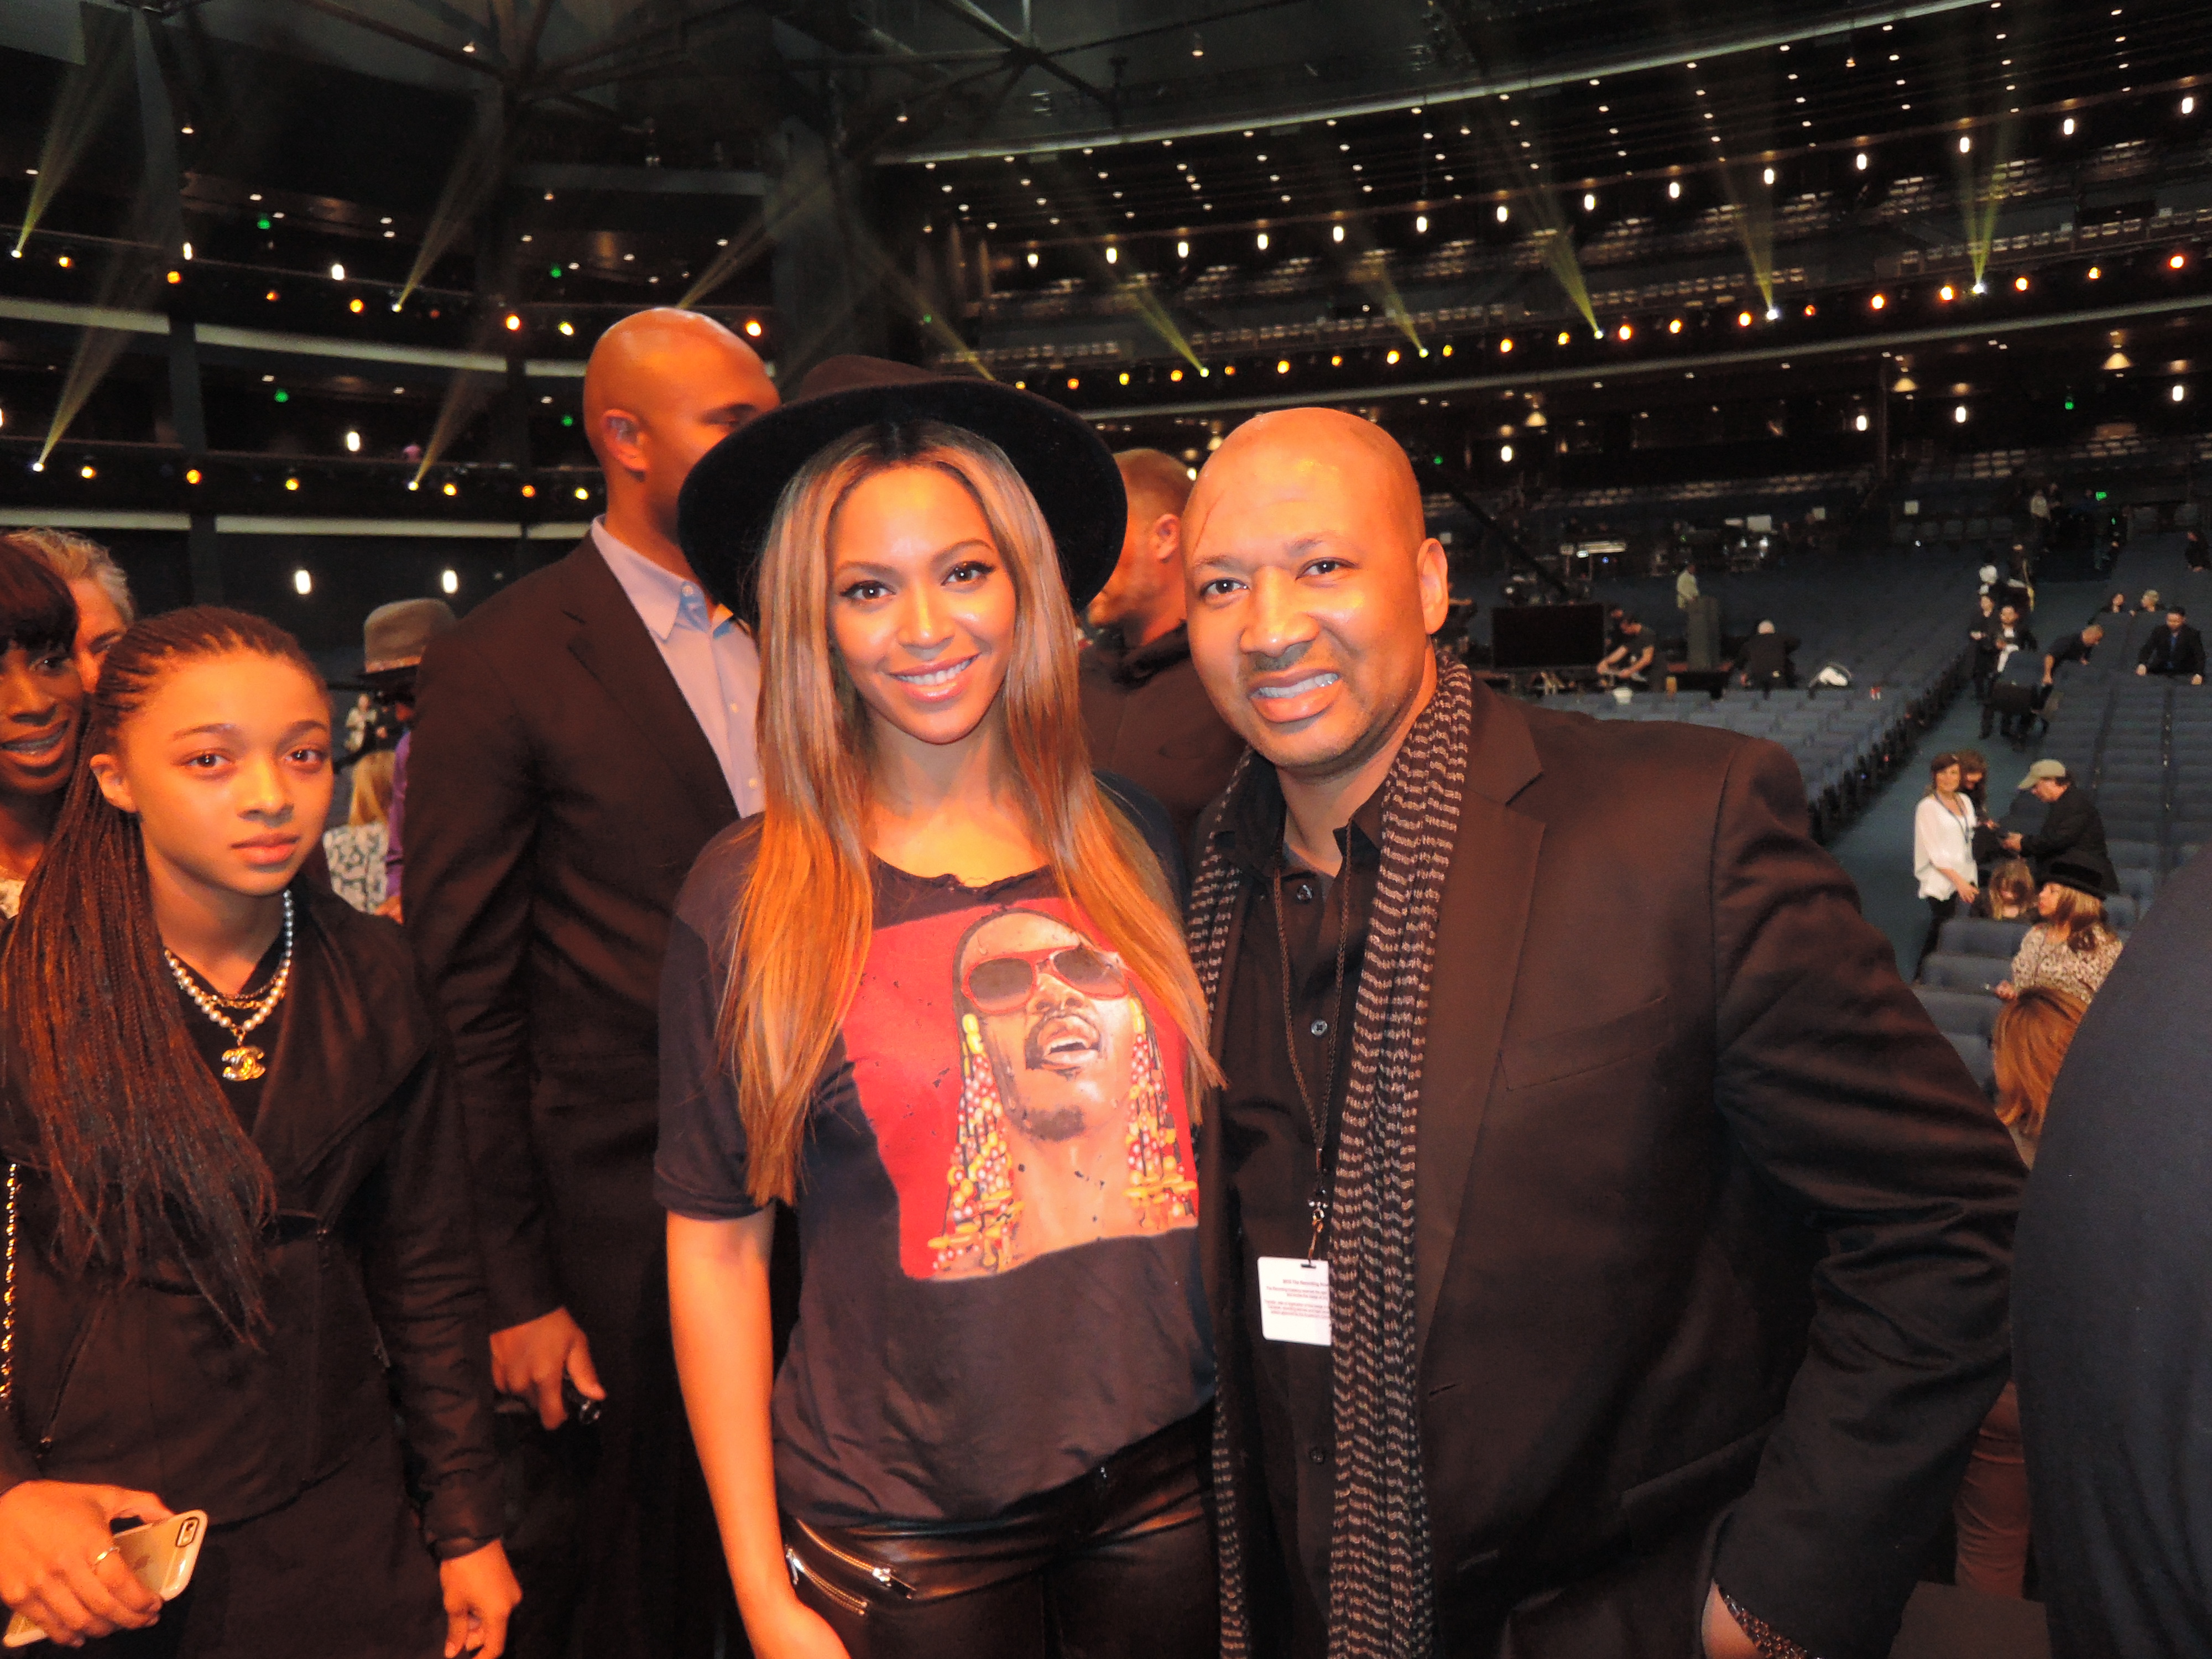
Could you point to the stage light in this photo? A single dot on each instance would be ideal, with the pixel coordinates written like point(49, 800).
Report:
point(282, 396)
point(1768, 176)
point(63, 262)
point(1627, 333)
point(1505, 345)
point(353, 443)
point(752, 328)
point(1505, 451)
point(1336, 233)
point(2094, 273)
point(1589, 201)
point(1113, 254)
point(2189, 106)
point(1877, 302)
point(1505, 213)
point(1958, 414)
point(1675, 326)
point(1033, 259)
point(270, 297)
point(37, 466)
point(1390, 356)
point(1182, 250)
point(1774, 313)
point(188, 247)
point(1966, 144)
point(1860, 162)
point(2179, 391)
point(356, 307)
point(1743, 319)
point(2175, 261)
point(192, 475)
point(529, 492)
point(1226, 368)
point(1447, 350)
point(1674, 190)
point(337, 273)
point(1283, 366)
point(414, 483)
point(582, 493)
point(292, 484)
point(303, 582)
point(2066, 127)
point(1811, 310)
point(570, 328)
point(176, 275)
point(1859, 424)
point(554, 271)
point(1262, 240)
point(1563, 337)
point(2020, 284)
point(1980, 287)
point(450, 580)
point(513, 323)
point(450, 489)
point(1947, 294)
point(86, 471)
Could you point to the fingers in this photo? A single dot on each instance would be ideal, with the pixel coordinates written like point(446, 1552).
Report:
point(120, 1501)
point(581, 1371)
point(545, 1393)
point(491, 1631)
point(458, 1623)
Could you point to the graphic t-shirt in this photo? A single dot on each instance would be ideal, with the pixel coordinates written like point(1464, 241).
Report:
point(998, 1201)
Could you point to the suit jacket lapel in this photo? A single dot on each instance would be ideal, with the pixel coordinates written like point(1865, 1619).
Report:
point(611, 642)
point(1479, 926)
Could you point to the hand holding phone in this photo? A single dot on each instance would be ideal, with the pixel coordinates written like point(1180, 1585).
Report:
point(63, 1570)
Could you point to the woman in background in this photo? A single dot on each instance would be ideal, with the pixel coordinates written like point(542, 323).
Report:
point(41, 713)
point(238, 1230)
point(2072, 949)
point(96, 582)
point(1943, 847)
point(356, 847)
point(2034, 1032)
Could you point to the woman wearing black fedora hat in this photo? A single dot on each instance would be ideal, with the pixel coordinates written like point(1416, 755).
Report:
point(2073, 947)
point(935, 999)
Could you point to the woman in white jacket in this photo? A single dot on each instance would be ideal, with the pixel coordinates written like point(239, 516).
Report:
point(1943, 847)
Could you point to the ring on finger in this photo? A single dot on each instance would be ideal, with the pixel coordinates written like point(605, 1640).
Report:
point(103, 1555)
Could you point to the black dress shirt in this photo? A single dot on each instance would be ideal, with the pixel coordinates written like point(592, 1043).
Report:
point(1269, 1157)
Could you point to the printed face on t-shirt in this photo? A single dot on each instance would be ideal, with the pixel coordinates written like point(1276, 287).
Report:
point(1024, 1097)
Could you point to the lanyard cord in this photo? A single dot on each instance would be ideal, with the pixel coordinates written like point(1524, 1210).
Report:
point(1316, 1116)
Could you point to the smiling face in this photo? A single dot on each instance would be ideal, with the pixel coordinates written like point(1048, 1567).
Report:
point(228, 766)
point(1313, 590)
point(41, 712)
point(921, 606)
point(98, 625)
point(1948, 778)
point(1058, 1022)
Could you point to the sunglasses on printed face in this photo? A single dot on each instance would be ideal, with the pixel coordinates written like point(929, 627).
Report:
point(1000, 984)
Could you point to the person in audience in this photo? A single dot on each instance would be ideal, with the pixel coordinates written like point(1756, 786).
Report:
point(2149, 606)
point(1629, 662)
point(96, 582)
point(1943, 847)
point(1148, 716)
point(2071, 648)
point(1685, 586)
point(578, 738)
point(41, 712)
point(1764, 663)
point(2009, 894)
point(1533, 1335)
point(2193, 552)
point(2116, 605)
point(2072, 948)
point(2111, 1348)
point(1992, 1512)
point(241, 1273)
point(2176, 650)
point(1974, 785)
point(393, 639)
point(935, 997)
point(1982, 630)
point(355, 849)
point(2072, 829)
point(2014, 679)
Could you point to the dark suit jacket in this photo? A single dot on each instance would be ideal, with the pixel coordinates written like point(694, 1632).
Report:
point(1707, 1212)
point(2110, 1302)
point(559, 789)
point(1149, 721)
point(2170, 651)
point(2072, 829)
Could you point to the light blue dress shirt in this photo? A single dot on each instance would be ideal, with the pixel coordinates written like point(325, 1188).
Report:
point(712, 658)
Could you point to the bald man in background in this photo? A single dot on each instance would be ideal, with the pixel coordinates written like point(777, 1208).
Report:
point(578, 738)
point(1148, 716)
point(1663, 1241)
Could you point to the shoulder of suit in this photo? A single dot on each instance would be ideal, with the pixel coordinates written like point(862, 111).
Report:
point(523, 609)
point(1566, 740)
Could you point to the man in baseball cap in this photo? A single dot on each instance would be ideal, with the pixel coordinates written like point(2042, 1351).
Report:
point(2072, 832)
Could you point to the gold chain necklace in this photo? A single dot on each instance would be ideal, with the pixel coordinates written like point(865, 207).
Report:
point(245, 1062)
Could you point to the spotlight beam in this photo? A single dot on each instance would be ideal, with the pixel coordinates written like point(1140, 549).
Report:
point(88, 93)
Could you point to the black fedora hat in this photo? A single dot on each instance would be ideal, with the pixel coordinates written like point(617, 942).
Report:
point(2081, 878)
point(729, 501)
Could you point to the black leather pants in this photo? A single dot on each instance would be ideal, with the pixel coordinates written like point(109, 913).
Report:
point(1116, 1565)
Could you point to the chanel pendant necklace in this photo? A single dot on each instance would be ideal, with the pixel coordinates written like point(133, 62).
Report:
point(244, 1062)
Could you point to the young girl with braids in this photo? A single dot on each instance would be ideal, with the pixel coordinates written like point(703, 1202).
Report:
point(935, 999)
point(238, 1227)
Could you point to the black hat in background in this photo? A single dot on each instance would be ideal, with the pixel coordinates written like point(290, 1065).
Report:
point(2081, 878)
point(729, 501)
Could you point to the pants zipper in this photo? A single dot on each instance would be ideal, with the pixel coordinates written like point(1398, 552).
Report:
point(845, 1599)
point(883, 1575)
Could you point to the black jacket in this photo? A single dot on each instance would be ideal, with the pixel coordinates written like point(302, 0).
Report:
point(374, 1259)
point(2108, 1306)
point(558, 789)
point(1151, 722)
point(2072, 829)
point(2173, 651)
point(1765, 659)
point(1709, 1216)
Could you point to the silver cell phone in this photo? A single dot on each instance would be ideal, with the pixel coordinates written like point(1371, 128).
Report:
point(161, 1554)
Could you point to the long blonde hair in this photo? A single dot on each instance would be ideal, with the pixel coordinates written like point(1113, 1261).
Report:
point(800, 934)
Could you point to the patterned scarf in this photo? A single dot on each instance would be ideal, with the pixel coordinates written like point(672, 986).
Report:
point(1381, 1596)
